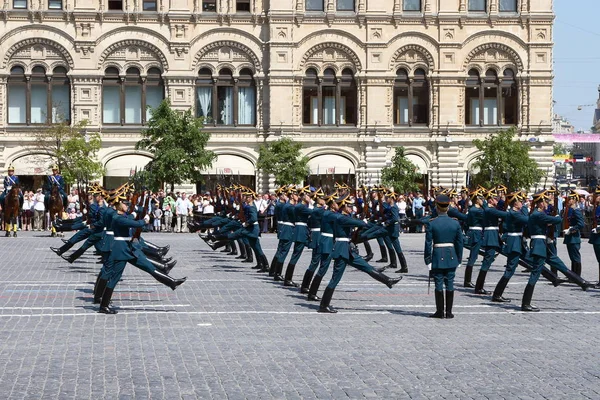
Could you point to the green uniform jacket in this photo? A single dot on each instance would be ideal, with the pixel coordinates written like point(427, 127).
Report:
point(514, 223)
point(327, 223)
point(537, 227)
point(342, 230)
point(576, 224)
point(286, 222)
point(122, 250)
point(443, 243)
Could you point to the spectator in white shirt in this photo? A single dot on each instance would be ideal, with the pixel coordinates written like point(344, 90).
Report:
point(183, 208)
point(207, 207)
point(38, 210)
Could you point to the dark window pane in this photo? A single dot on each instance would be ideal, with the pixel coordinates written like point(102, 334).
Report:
point(242, 6)
point(472, 105)
point(508, 5)
point(348, 105)
point(310, 108)
point(19, 3)
point(329, 105)
point(477, 5)
point(509, 98)
point(225, 105)
point(314, 5)
point(115, 5)
point(412, 5)
point(401, 105)
point(345, 5)
point(55, 4)
point(421, 104)
point(17, 70)
point(149, 5)
point(209, 5)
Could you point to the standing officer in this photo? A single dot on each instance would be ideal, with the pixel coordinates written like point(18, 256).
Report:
point(392, 241)
point(443, 254)
point(572, 233)
point(55, 179)
point(344, 253)
point(595, 235)
point(9, 181)
point(515, 222)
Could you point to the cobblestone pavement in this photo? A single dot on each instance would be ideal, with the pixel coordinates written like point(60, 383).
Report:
point(230, 333)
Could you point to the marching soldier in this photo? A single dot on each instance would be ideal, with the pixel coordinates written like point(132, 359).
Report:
point(392, 241)
point(515, 222)
point(301, 233)
point(595, 235)
point(286, 237)
point(443, 254)
point(474, 234)
point(572, 232)
point(344, 253)
point(9, 181)
point(314, 224)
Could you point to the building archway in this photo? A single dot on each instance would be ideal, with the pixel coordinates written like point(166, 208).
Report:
point(327, 169)
point(32, 170)
point(227, 170)
point(422, 169)
point(119, 169)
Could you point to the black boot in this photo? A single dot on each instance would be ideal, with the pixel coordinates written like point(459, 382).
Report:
point(500, 290)
point(403, 265)
point(273, 267)
point(249, 256)
point(106, 296)
point(243, 254)
point(468, 275)
point(386, 280)
point(578, 268)
point(527, 295)
point(369, 251)
point(439, 305)
point(62, 248)
point(279, 268)
point(74, 255)
point(306, 281)
point(96, 283)
point(162, 250)
point(165, 268)
point(218, 244)
point(393, 262)
point(326, 300)
point(480, 282)
point(384, 257)
point(167, 280)
point(449, 303)
point(227, 248)
point(265, 264)
point(579, 281)
point(99, 290)
point(597, 286)
point(289, 274)
point(233, 251)
point(314, 288)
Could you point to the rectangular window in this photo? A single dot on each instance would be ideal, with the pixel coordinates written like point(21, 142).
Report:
point(472, 94)
point(348, 111)
point(490, 111)
point(401, 114)
point(314, 110)
point(508, 5)
point(60, 103)
point(477, 5)
point(242, 6)
point(314, 5)
point(420, 105)
point(115, 5)
point(149, 5)
point(55, 4)
point(154, 96)
point(204, 103)
point(345, 5)
point(225, 101)
point(329, 106)
point(17, 103)
point(39, 104)
point(509, 97)
point(310, 113)
point(246, 106)
point(209, 5)
point(133, 104)
point(111, 105)
point(20, 4)
point(411, 5)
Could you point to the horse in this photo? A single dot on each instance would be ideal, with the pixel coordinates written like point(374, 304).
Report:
point(55, 206)
point(12, 207)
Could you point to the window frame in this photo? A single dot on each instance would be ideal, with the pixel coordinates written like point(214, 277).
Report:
point(123, 81)
point(328, 81)
point(516, 10)
point(206, 3)
point(322, 9)
point(404, 9)
point(337, 6)
point(25, 7)
point(154, 7)
point(405, 81)
point(248, 2)
point(484, 11)
point(44, 79)
point(491, 80)
point(59, 8)
point(109, 2)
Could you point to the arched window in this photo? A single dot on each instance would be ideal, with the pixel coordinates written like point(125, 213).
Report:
point(330, 100)
point(236, 99)
point(41, 99)
point(125, 100)
point(411, 98)
point(497, 97)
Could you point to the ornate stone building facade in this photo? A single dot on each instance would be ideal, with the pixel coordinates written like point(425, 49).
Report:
point(350, 79)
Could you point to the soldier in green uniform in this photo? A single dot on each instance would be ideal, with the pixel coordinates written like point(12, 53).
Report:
point(595, 234)
point(286, 237)
point(443, 254)
point(314, 225)
point(572, 234)
point(301, 233)
point(474, 234)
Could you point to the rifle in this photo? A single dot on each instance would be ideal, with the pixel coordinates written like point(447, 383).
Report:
point(241, 214)
point(366, 201)
point(552, 229)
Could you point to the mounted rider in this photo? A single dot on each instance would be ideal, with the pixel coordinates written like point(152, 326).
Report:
point(55, 179)
point(9, 181)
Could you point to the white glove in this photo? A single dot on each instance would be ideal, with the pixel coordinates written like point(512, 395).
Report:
point(134, 215)
point(594, 230)
point(245, 225)
point(366, 221)
point(147, 219)
point(429, 266)
point(84, 211)
point(567, 232)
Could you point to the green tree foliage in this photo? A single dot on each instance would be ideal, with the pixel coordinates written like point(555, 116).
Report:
point(402, 175)
point(506, 161)
point(559, 149)
point(73, 148)
point(178, 147)
point(283, 159)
